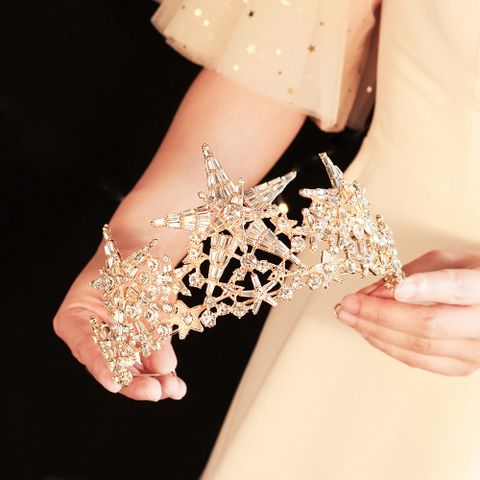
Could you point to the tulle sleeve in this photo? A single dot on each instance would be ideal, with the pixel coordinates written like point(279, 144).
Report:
point(316, 55)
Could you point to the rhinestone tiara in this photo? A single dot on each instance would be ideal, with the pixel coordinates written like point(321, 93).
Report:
point(242, 251)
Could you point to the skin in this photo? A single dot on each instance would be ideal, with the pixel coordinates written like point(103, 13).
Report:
point(249, 133)
point(431, 320)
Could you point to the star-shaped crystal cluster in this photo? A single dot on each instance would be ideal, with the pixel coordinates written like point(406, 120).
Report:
point(243, 251)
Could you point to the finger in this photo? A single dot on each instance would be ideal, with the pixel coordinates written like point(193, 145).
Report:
point(429, 321)
point(441, 365)
point(465, 350)
point(143, 388)
point(173, 386)
point(431, 261)
point(451, 286)
point(162, 361)
point(440, 259)
point(370, 288)
point(87, 353)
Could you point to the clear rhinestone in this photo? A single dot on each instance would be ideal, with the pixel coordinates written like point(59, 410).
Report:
point(151, 315)
point(285, 293)
point(358, 231)
point(210, 302)
point(263, 266)
point(222, 308)
point(195, 253)
point(273, 210)
point(314, 281)
point(298, 244)
point(167, 308)
point(208, 318)
point(232, 212)
point(249, 261)
point(239, 310)
point(350, 266)
point(283, 222)
point(187, 318)
point(196, 279)
point(297, 282)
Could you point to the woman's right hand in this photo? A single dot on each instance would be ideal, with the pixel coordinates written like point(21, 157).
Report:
point(71, 324)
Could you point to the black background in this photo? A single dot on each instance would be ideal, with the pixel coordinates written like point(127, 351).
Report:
point(88, 91)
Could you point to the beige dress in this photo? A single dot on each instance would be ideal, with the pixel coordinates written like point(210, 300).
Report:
point(316, 400)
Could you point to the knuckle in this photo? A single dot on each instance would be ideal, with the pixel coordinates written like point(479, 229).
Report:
point(420, 344)
point(437, 254)
point(430, 326)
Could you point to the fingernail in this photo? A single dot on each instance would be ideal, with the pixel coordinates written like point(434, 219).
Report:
point(347, 318)
point(405, 291)
point(351, 304)
point(115, 388)
point(179, 389)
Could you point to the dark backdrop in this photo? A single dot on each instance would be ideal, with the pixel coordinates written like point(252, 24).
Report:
point(88, 91)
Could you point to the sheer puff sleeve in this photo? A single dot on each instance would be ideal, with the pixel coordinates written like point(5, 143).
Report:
point(318, 56)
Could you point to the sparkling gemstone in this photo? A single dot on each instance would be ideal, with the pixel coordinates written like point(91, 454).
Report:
point(193, 237)
point(273, 210)
point(164, 330)
point(196, 279)
point(152, 263)
point(167, 307)
point(298, 244)
point(328, 267)
point(248, 261)
point(110, 248)
point(285, 293)
point(350, 266)
point(187, 318)
point(210, 302)
point(208, 318)
point(230, 288)
point(239, 310)
point(151, 315)
point(232, 211)
point(314, 281)
point(358, 231)
point(263, 266)
point(283, 222)
point(297, 282)
point(194, 253)
point(222, 308)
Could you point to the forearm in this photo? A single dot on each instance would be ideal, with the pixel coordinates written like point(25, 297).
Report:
point(246, 131)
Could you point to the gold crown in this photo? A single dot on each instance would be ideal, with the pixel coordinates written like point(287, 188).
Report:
point(243, 230)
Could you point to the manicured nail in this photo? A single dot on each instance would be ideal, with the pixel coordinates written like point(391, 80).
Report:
point(351, 304)
point(179, 389)
point(347, 318)
point(405, 291)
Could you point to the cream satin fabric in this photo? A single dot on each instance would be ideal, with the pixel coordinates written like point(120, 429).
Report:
point(316, 401)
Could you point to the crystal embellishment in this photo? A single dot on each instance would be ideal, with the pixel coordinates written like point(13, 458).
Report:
point(144, 294)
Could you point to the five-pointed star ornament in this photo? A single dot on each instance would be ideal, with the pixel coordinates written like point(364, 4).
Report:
point(228, 206)
point(187, 319)
point(260, 293)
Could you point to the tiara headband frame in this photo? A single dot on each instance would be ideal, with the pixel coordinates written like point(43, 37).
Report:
point(240, 229)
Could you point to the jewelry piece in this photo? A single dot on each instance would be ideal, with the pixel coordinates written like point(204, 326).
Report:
point(244, 231)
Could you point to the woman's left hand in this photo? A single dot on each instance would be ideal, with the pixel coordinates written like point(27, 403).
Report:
point(431, 320)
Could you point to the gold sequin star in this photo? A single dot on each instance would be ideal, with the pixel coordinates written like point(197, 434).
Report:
point(250, 48)
point(187, 319)
point(311, 48)
point(251, 13)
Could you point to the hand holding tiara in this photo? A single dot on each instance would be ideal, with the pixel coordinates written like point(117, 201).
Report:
point(240, 231)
